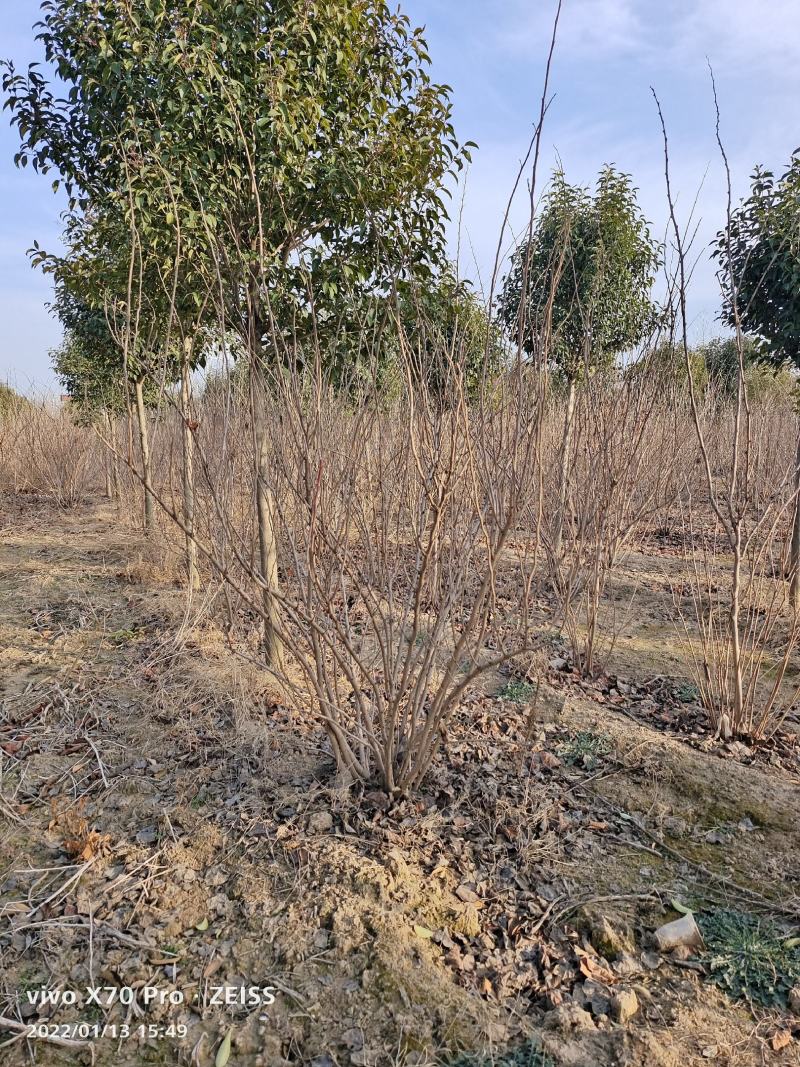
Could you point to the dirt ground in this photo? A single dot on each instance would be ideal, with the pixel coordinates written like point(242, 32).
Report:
point(169, 827)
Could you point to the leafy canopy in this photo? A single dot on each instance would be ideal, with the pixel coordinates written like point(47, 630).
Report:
point(447, 329)
point(280, 145)
point(90, 360)
point(580, 289)
point(720, 357)
point(759, 258)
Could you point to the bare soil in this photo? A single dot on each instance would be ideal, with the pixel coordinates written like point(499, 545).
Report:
point(167, 822)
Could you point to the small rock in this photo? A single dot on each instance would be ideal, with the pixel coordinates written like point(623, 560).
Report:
point(558, 664)
point(443, 938)
point(321, 822)
point(627, 965)
point(362, 1058)
point(147, 836)
point(219, 904)
point(736, 748)
point(597, 997)
point(794, 999)
point(568, 1017)
point(675, 826)
point(353, 1038)
point(624, 1005)
point(716, 837)
point(745, 825)
point(651, 960)
point(608, 941)
point(321, 939)
point(215, 876)
point(377, 799)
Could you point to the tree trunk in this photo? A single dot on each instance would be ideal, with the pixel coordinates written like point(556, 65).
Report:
point(794, 556)
point(193, 574)
point(144, 445)
point(566, 446)
point(738, 725)
point(267, 542)
point(129, 438)
point(109, 487)
point(113, 458)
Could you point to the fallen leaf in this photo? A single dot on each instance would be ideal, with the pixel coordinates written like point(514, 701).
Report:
point(468, 895)
point(224, 1050)
point(87, 847)
point(680, 908)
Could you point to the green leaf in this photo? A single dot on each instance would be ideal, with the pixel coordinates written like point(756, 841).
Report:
point(680, 908)
point(224, 1050)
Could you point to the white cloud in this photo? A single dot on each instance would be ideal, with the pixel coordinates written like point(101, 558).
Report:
point(586, 27)
point(751, 33)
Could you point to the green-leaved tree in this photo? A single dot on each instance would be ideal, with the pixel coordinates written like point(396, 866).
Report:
point(579, 291)
point(759, 258)
point(273, 153)
point(448, 333)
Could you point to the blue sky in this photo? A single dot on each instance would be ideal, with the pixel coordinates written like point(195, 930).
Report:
point(492, 53)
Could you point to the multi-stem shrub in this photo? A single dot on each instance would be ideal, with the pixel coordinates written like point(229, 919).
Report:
point(394, 525)
point(738, 626)
point(619, 475)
